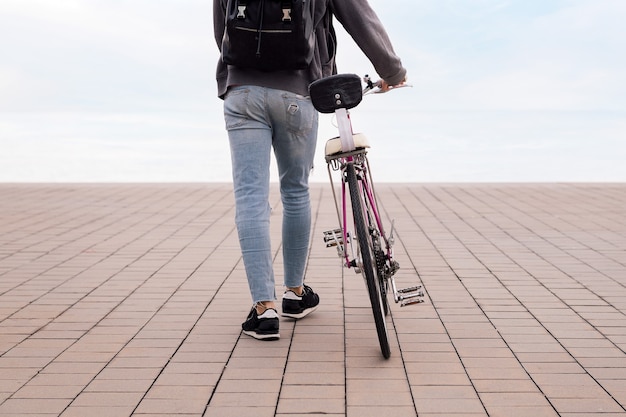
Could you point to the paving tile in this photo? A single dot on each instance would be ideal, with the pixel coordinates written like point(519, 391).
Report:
point(587, 405)
point(18, 406)
point(501, 374)
point(586, 414)
point(102, 411)
point(438, 379)
point(48, 392)
point(114, 385)
point(114, 399)
point(446, 406)
point(521, 412)
point(363, 411)
point(569, 391)
point(326, 378)
point(262, 399)
point(306, 392)
point(311, 406)
point(243, 386)
point(514, 399)
point(172, 406)
point(312, 414)
point(238, 411)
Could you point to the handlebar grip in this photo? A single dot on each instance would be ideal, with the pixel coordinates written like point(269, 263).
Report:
point(377, 87)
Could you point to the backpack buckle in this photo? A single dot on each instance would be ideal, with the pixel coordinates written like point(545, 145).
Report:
point(241, 12)
point(285, 5)
point(287, 14)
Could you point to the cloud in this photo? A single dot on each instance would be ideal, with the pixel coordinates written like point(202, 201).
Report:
point(77, 147)
point(563, 59)
point(474, 9)
point(97, 55)
point(566, 60)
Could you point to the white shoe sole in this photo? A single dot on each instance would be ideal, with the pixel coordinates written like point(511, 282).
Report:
point(300, 315)
point(259, 336)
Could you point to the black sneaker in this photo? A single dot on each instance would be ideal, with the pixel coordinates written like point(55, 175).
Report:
point(262, 327)
point(298, 306)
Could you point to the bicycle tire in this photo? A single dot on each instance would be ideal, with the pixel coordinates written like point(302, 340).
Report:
point(367, 267)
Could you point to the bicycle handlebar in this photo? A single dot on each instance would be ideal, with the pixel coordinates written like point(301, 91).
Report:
point(375, 87)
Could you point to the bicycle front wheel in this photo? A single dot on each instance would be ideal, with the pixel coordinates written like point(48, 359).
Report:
point(368, 266)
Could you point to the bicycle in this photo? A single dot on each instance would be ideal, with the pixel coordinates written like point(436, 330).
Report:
point(371, 252)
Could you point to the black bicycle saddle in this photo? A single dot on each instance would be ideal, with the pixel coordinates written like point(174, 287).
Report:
point(336, 92)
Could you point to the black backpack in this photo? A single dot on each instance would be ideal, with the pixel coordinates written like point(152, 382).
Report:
point(269, 35)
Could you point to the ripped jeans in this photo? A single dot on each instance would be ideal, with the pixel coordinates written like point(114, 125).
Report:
point(257, 120)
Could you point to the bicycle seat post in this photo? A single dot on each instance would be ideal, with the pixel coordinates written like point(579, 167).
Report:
point(345, 130)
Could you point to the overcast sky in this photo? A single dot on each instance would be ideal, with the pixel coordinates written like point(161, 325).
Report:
point(503, 90)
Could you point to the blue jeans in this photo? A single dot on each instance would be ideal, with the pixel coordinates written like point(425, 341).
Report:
point(257, 120)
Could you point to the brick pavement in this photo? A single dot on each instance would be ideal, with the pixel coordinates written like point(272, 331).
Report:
point(120, 300)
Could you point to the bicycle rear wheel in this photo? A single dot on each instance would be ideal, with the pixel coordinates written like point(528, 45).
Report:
point(368, 267)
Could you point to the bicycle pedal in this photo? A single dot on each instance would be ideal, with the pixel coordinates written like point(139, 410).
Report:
point(411, 301)
point(411, 295)
point(410, 289)
point(333, 238)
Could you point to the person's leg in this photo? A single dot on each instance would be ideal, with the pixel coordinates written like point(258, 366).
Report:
point(250, 137)
point(295, 135)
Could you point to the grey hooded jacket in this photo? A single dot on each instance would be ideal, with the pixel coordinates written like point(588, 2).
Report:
point(359, 20)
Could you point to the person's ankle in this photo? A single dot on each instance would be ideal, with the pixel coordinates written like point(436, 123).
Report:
point(262, 306)
point(296, 290)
